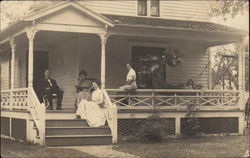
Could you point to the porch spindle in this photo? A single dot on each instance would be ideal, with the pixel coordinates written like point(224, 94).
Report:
point(31, 35)
point(103, 38)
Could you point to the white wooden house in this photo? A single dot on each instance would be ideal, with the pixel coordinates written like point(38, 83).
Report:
point(99, 37)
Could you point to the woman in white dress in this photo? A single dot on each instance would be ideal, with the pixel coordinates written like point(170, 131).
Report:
point(93, 110)
point(131, 79)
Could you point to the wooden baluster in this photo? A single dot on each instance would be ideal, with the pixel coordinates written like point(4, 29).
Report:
point(175, 99)
point(197, 99)
point(153, 99)
point(11, 100)
point(129, 99)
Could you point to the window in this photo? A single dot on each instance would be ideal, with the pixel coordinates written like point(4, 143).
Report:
point(142, 7)
point(154, 10)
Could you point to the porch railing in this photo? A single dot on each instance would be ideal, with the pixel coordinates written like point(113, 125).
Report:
point(176, 98)
point(16, 99)
point(37, 111)
point(25, 99)
point(111, 115)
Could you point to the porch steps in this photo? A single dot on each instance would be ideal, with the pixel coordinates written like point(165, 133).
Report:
point(73, 132)
point(60, 114)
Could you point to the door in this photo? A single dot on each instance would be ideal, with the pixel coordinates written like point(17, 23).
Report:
point(41, 63)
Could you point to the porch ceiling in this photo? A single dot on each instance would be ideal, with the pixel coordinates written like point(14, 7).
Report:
point(47, 39)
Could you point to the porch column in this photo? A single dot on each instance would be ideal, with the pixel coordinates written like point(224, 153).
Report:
point(12, 70)
point(209, 68)
point(241, 63)
point(103, 38)
point(31, 36)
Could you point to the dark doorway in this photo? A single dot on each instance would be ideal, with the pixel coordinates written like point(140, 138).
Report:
point(41, 63)
point(148, 65)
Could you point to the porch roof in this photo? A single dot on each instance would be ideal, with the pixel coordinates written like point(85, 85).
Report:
point(172, 24)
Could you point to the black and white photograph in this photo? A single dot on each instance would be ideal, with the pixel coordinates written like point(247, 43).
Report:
point(124, 79)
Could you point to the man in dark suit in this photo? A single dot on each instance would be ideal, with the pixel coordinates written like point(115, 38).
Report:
point(49, 87)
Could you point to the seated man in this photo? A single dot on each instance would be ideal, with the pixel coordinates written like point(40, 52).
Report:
point(49, 87)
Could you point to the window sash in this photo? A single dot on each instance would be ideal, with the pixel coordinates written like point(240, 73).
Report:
point(142, 7)
point(155, 8)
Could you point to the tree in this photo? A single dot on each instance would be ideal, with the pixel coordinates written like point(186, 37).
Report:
point(13, 11)
point(229, 7)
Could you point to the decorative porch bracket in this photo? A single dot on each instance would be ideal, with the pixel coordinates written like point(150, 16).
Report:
point(31, 35)
point(103, 38)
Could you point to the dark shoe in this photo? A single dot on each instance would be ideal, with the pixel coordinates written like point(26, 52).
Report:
point(59, 108)
point(51, 108)
point(78, 117)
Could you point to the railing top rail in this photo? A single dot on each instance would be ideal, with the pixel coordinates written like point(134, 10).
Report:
point(32, 93)
point(14, 90)
point(107, 97)
point(176, 90)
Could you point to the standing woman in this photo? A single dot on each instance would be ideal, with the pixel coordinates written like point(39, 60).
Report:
point(93, 110)
point(82, 88)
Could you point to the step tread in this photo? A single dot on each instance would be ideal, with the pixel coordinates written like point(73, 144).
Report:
point(65, 136)
point(61, 111)
point(73, 127)
point(65, 120)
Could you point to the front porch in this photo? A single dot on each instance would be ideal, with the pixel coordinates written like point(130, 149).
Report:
point(101, 45)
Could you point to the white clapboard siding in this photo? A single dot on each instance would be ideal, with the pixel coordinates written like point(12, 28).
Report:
point(63, 69)
point(185, 10)
point(117, 55)
point(70, 16)
point(23, 67)
point(117, 7)
point(4, 61)
point(179, 10)
point(194, 62)
point(90, 56)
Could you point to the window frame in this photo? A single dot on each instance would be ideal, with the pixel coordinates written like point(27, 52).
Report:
point(148, 8)
point(145, 7)
point(158, 9)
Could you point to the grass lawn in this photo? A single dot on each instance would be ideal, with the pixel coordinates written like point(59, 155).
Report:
point(13, 149)
point(209, 147)
point(227, 146)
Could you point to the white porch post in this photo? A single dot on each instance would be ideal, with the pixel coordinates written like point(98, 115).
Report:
point(12, 71)
point(31, 36)
point(103, 38)
point(209, 68)
point(240, 74)
point(241, 63)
